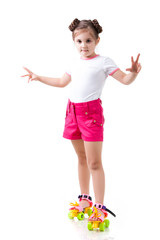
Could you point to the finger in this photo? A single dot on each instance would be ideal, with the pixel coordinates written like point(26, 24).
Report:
point(27, 69)
point(25, 75)
point(29, 79)
point(139, 68)
point(132, 60)
point(137, 58)
point(128, 69)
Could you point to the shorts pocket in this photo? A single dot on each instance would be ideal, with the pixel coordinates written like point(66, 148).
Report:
point(68, 118)
point(95, 122)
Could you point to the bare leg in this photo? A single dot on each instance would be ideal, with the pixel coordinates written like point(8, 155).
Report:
point(83, 171)
point(93, 153)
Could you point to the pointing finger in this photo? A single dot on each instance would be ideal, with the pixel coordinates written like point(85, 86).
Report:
point(27, 69)
point(137, 58)
point(132, 59)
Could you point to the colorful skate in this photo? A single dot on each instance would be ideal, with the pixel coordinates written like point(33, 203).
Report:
point(77, 211)
point(96, 220)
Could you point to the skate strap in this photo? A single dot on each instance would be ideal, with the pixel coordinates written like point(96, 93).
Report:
point(96, 216)
point(86, 197)
point(104, 209)
point(75, 206)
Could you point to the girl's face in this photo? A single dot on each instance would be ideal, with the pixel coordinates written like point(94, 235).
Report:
point(85, 43)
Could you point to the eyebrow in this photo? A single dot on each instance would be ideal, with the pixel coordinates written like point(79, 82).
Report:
point(85, 40)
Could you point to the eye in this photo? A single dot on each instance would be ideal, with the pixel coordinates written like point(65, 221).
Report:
point(79, 41)
point(88, 40)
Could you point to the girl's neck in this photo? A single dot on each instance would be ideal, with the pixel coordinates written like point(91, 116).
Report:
point(90, 57)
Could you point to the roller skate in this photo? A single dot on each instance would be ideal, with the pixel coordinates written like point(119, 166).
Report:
point(97, 220)
point(77, 211)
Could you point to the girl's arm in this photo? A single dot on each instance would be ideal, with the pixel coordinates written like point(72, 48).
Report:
point(130, 77)
point(55, 82)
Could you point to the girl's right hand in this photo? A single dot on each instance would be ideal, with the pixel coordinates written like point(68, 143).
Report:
point(31, 76)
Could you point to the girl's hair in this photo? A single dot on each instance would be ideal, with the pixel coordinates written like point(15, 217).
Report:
point(85, 24)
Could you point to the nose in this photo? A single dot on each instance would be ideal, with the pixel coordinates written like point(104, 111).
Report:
point(83, 44)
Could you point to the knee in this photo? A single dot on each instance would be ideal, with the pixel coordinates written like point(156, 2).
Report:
point(82, 159)
point(94, 164)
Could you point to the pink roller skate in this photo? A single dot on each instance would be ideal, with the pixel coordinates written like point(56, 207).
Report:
point(97, 220)
point(77, 211)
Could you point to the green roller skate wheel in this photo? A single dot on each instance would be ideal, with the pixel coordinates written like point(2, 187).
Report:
point(89, 212)
point(90, 226)
point(102, 226)
point(106, 222)
point(70, 215)
point(80, 216)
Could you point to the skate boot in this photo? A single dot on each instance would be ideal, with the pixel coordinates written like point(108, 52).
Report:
point(97, 220)
point(77, 211)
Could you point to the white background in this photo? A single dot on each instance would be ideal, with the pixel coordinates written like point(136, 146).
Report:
point(38, 167)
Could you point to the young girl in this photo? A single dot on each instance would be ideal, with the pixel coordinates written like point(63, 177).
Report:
point(84, 114)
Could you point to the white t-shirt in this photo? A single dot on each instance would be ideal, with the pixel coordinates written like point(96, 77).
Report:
point(88, 77)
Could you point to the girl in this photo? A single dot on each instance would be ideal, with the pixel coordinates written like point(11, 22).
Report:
point(84, 114)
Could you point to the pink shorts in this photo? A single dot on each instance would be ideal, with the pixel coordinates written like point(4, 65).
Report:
point(84, 121)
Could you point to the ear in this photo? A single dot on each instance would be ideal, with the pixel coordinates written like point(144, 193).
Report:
point(97, 41)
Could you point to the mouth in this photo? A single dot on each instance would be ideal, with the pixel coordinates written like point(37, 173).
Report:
point(84, 50)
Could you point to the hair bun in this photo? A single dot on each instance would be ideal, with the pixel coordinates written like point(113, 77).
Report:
point(74, 24)
point(97, 26)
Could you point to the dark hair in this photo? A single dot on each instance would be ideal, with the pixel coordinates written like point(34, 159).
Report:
point(85, 24)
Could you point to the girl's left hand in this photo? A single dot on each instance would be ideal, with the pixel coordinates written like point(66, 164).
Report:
point(136, 67)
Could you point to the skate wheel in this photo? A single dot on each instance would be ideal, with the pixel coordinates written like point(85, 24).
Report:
point(90, 226)
point(80, 216)
point(70, 215)
point(102, 226)
point(106, 222)
point(89, 212)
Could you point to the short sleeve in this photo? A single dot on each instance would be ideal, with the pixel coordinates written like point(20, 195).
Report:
point(68, 72)
point(109, 66)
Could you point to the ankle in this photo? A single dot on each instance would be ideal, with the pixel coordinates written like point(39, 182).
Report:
point(103, 209)
point(84, 204)
point(85, 200)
